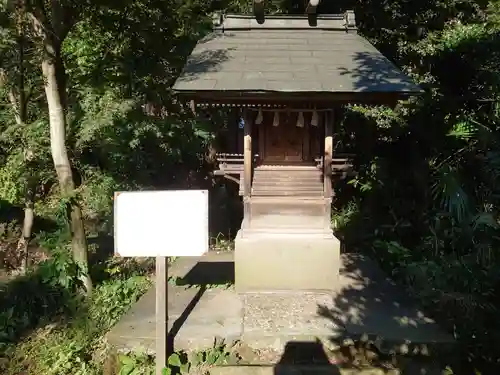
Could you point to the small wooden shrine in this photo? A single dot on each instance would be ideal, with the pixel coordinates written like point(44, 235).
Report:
point(286, 78)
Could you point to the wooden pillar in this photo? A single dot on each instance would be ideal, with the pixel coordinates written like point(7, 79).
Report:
point(262, 134)
point(328, 154)
point(247, 154)
point(247, 166)
point(306, 145)
point(327, 167)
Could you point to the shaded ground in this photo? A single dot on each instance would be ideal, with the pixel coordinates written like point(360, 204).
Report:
point(301, 358)
point(368, 309)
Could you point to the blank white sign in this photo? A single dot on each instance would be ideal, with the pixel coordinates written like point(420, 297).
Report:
point(161, 223)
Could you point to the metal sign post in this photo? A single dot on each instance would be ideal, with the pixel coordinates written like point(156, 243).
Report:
point(161, 224)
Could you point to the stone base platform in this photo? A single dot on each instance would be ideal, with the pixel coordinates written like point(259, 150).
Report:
point(293, 261)
point(366, 304)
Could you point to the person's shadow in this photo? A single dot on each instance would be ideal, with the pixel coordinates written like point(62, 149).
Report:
point(305, 358)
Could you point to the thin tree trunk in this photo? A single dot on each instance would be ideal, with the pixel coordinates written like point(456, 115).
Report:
point(18, 105)
point(29, 218)
point(53, 71)
point(21, 115)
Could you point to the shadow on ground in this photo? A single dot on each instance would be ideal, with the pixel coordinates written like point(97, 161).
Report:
point(381, 324)
point(305, 353)
point(209, 273)
point(305, 358)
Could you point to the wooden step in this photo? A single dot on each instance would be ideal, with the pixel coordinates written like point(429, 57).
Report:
point(279, 193)
point(262, 187)
point(295, 181)
point(281, 180)
point(290, 174)
point(292, 192)
point(286, 168)
point(286, 182)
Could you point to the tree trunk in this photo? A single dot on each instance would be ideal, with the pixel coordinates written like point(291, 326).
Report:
point(19, 108)
point(53, 71)
point(17, 99)
point(21, 115)
point(29, 218)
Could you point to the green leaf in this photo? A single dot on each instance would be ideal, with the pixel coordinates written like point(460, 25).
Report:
point(174, 360)
point(127, 369)
point(197, 358)
point(185, 368)
point(212, 358)
point(167, 371)
point(125, 360)
point(462, 130)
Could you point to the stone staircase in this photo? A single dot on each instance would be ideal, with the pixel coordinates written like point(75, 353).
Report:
point(287, 200)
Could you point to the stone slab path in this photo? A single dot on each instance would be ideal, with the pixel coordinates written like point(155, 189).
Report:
point(298, 370)
point(366, 304)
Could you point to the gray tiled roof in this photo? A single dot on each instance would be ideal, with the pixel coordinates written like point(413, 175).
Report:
point(276, 59)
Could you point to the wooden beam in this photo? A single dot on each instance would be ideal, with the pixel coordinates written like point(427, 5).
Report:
point(296, 99)
point(312, 6)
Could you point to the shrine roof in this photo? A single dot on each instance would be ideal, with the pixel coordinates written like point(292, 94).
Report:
point(285, 54)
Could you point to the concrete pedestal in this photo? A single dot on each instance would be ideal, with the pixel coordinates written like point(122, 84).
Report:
point(291, 261)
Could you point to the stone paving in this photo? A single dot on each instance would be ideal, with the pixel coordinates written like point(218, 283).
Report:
point(366, 304)
point(297, 370)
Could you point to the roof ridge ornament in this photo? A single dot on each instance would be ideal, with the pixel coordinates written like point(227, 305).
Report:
point(341, 22)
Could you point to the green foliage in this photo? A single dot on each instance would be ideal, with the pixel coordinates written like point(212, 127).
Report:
point(28, 300)
point(426, 194)
point(425, 198)
point(11, 174)
point(73, 344)
point(137, 364)
point(179, 363)
point(62, 271)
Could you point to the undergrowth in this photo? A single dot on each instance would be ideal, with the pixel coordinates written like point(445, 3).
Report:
point(180, 363)
point(48, 327)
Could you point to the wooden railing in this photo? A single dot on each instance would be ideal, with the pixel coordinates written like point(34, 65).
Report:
point(231, 166)
point(342, 165)
point(232, 163)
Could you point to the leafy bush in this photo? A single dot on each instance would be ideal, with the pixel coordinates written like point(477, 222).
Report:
point(68, 330)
